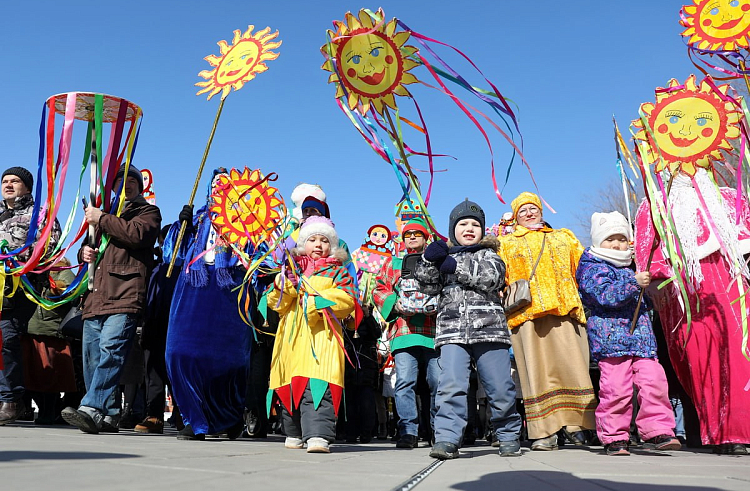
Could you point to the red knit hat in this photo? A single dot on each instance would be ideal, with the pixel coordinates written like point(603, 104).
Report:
point(417, 225)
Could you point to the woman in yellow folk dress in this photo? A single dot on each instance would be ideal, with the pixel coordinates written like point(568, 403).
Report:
point(549, 336)
point(307, 366)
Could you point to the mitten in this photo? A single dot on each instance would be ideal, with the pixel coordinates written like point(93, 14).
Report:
point(186, 215)
point(292, 277)
point(436, 252)
point(448, 266)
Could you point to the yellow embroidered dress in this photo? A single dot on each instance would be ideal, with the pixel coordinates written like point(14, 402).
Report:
point(309, 345)
point(553, 289)
point(549, 337)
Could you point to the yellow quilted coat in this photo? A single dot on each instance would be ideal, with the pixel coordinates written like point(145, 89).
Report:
point(305, 346)
point(553, 288)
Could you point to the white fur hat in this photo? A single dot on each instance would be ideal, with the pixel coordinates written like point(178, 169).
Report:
point(318, 226)
point(301, 192)
point(605, 225)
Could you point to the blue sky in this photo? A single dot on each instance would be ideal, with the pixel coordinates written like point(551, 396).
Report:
point(569, 66)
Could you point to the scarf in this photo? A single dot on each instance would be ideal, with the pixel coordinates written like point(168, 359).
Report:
point(309, 265)
point(536, 226)
point(620, 259)
point(191, 253)
point(688, 213)
point(471, 248)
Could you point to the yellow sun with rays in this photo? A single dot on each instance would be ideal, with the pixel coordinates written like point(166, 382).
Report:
point(690, 124)
point(244, 207)
point(717, 24)
point(369, 61)
point(239, 62)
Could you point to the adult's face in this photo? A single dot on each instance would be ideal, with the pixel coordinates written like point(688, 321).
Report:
point(310, 211)
point(13, 187)
point(132, 189)
point(528, 215)
point(414, 240)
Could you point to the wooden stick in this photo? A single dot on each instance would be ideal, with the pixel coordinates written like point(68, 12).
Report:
point(747, 82)
point(183, 226)
point(400, 146)
point(650, 259)
point(94, 161)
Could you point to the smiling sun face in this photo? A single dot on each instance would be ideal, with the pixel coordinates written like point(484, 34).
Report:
point(369, 61)
point(690, 124)
point(239, 62)
point(717, 24)
point(245, 207)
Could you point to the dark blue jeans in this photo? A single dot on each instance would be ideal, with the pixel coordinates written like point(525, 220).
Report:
point(493, 369)
point(106, 342)
point(408, 362)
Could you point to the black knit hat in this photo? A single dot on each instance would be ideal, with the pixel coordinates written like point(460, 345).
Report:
point(465, 209)
point(132, 172)
point(24, 175)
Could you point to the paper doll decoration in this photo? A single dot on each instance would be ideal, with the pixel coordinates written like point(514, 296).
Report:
point(245, 207)
point(239, 62)
point(717, 25)
point(688, 125)
point(374, 251)
point(148, 186)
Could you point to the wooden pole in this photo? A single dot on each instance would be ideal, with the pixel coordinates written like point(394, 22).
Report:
point(400, 146)
point(650, 259)
point(183, 226)
point(94, 160)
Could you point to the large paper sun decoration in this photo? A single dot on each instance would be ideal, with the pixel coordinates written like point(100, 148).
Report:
point(690, 125)
point(245, 207)
point(369, 61)
point(239, 62)
point(719, 25)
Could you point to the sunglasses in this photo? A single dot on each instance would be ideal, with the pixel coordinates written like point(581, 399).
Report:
point(413, 233)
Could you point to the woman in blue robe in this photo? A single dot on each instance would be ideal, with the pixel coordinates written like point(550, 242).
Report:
point(208, 344)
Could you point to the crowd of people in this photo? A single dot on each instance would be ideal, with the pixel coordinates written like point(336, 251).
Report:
point(523, 335)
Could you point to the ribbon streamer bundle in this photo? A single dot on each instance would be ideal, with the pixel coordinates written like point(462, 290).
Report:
point(121, 120)
point(371, 63)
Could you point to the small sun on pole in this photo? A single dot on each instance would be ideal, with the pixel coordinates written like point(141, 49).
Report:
point(236, 64)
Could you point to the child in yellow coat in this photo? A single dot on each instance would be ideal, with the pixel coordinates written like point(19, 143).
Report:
point(307, 367)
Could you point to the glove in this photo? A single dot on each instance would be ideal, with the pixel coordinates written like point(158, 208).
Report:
point(186, 215)
point(448, 266)
point(436, 252)
point(292, 277)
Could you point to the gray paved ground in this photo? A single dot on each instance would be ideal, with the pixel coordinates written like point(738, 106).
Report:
point(62, 458)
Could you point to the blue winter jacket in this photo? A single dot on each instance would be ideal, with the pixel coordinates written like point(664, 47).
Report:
point(610, 293)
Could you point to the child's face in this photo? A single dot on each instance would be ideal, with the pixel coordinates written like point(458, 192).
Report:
point(617, 242)
point(468, 232)
point(317, 247)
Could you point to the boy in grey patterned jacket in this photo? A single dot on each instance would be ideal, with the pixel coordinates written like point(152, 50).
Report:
point(471, 324)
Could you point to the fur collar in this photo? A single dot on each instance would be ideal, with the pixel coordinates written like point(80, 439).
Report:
point(487, 242)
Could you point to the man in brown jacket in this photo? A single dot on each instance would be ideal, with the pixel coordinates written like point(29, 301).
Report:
point(112, 310)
